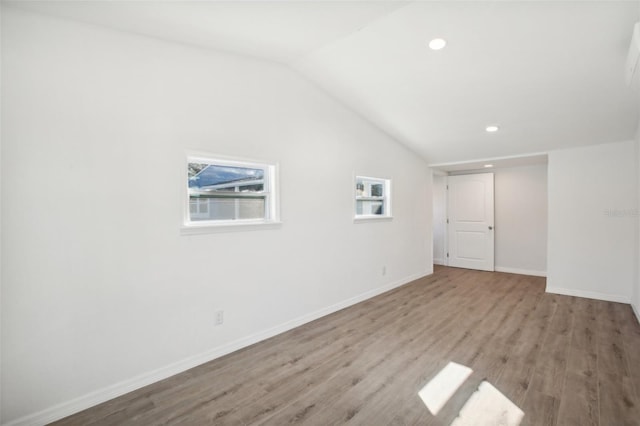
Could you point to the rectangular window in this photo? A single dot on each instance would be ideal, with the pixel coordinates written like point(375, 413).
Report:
point(373, 198)
point(225, 192)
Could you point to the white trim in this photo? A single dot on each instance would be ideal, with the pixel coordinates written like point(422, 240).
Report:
point(490, 159)
point(445, 246)
point(371, 218)
point(91, 399)
point(228, 226)
point(519, 271)
point(635, 311)
point(589, 294)
point(438, 261)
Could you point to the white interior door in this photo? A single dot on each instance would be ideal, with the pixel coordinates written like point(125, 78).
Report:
point(470, 218)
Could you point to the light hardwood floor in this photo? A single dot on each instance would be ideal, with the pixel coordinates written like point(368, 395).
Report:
point(563, 360)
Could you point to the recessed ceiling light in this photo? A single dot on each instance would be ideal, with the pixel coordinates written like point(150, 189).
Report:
point(437, 43)
point(492, 129)
point(488, 165)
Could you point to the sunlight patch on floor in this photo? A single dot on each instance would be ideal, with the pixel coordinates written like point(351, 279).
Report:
point(488, 406)
point(441, 388)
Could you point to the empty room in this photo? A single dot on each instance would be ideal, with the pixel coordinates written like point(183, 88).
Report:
point(320, 212)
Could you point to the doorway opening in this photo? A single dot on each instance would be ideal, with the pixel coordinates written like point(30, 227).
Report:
point(519, 224)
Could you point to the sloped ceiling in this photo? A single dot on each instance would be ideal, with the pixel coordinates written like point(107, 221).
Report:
point(550, 74)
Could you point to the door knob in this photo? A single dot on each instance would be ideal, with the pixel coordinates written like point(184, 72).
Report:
point(490, 228)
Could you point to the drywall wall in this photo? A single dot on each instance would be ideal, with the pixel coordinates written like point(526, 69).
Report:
point(101, 292)
point(439, 218)
point(592, 221)
point(635, 303)
point(521, 220)
point(0, 220)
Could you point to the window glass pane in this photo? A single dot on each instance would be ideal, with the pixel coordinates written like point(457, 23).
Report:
point(213, 177)
point(367, 207)
point(211, 189)
point(369, 188)
point(251, 208)
point(376, 190)
point(227, 208)
point(252, 188)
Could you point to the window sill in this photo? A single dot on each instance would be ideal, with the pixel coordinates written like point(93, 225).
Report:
point(362, 219)
point(198, 229)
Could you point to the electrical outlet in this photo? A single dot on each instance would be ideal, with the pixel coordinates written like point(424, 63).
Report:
point(219, 320)
point(384, 270)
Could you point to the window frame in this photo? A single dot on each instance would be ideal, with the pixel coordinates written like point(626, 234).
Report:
point(385, 198)
point(271, 195)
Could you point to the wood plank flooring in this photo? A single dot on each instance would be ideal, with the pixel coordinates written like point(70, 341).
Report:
point(562, 360)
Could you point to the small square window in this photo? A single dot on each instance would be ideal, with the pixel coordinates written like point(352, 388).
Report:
point(223, 192)
point(373, 198)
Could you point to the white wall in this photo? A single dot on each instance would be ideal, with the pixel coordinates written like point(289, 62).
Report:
point(592, 221)
point(439, 218)
point(100, 292)
point(1, 274)
point(635, 302)
point(521, 219)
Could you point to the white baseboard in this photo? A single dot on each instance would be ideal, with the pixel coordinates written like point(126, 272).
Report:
point(635, 311)
point(438, 261)
point(589, 294)
point(99, 396)
point(521, 271)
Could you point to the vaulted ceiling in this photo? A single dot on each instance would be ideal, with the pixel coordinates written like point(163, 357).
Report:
point(549, 74)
